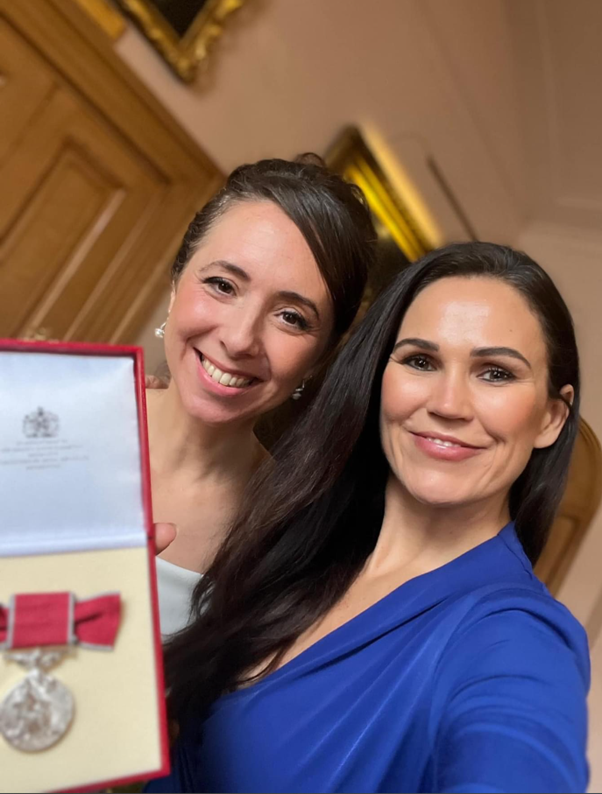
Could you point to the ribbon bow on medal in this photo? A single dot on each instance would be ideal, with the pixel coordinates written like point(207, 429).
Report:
point(38, 711)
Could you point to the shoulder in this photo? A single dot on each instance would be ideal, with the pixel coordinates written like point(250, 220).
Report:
point(508, 709)
point(520, 627)
point(508, 604)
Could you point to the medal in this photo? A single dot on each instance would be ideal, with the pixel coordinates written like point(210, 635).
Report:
point(38, 711)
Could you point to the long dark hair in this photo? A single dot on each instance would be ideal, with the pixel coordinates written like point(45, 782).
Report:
point(331, 214)
point(310, 519)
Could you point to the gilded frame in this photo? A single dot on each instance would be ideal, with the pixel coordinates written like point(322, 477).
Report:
point(351, 157)
point(184, 55)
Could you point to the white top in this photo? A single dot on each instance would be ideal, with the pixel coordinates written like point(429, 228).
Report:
point(175, 586)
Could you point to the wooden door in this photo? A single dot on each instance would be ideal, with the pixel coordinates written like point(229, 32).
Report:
point(97, 181)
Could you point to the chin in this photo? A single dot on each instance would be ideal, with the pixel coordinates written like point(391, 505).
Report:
point(439, 492)
point(438, 499)
point(209, 413)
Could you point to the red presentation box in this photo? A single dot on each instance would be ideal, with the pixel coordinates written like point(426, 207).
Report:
point(82, 703)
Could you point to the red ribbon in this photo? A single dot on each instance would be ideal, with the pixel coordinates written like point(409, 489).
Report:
point(38, 619)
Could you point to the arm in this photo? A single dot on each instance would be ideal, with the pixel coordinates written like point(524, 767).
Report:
point(512, 704)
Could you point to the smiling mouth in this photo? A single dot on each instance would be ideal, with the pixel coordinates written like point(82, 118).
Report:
point(222, 377)
point(440, 443)
point(446, 443)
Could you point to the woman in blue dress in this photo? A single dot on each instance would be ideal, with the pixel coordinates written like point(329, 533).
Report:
point(372, 622)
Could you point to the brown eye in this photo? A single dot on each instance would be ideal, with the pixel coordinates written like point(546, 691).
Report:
point(220, 285)
point(295, 320)
point(421, 363)
point(497, 375)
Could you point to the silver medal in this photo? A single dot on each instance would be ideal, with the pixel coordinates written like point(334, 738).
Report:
point(38, 711)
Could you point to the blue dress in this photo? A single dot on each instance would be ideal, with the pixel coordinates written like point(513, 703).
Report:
point(469, 678)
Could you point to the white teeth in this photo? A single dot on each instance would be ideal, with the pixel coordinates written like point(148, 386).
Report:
point(441, 443)
point(224, 378)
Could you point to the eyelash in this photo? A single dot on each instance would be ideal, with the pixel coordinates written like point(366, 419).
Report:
point(299, 320)
point(218, 283)
point(506, 376)
point(411, 361)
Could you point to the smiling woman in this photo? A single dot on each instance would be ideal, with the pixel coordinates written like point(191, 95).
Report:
point(251, 307)
point(374, 621)
point(268, 277)
point(492, 397)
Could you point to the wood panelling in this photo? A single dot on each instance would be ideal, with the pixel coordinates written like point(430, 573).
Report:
point(25, 82)
point(98, 182)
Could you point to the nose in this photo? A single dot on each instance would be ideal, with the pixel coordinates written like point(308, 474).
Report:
point(450, 397)
point(241, 335)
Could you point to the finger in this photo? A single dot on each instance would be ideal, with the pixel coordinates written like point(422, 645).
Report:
point(164, 535)
point(152, 382)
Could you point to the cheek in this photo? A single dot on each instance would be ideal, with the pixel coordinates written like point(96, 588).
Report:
point(401, 396)
point(513, 413)
point(290, 357)
point(192, 312)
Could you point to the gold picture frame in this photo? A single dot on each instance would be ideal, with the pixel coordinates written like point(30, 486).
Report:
point(351, 157)
point(186, 53)
point(401, 238)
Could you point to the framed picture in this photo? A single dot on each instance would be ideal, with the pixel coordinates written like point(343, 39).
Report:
point(401, 240)
point(182, 31)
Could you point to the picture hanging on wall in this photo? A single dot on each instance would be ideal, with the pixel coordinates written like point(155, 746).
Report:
point(401, 239)
point(182, 31)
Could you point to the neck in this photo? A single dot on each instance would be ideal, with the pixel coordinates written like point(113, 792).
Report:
point(419, 538)
point(180, 443)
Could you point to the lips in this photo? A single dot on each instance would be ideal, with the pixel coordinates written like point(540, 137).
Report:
point(446, 441)
point(442, 447)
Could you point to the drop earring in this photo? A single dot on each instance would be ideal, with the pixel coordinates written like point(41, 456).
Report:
point(297, 394)
point(160, 331)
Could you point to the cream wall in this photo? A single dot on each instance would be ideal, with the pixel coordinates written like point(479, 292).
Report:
point(289, 75)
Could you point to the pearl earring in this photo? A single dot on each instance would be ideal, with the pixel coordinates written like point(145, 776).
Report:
point(297, 394)
point(160, 331)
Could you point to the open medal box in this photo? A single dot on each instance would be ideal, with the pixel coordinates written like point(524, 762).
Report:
point(82, 702)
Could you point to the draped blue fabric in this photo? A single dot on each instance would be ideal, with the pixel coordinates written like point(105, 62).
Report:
point(470, 678)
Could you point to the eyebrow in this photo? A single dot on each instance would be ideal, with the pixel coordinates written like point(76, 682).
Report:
point(289, 295)
point(234, 269)
point(415, 342)
point(479, 352)
point(295, 297)
point(483, 352)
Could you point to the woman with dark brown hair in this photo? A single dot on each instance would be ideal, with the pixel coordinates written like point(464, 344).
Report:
point(268, 278)
point(372, 622)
